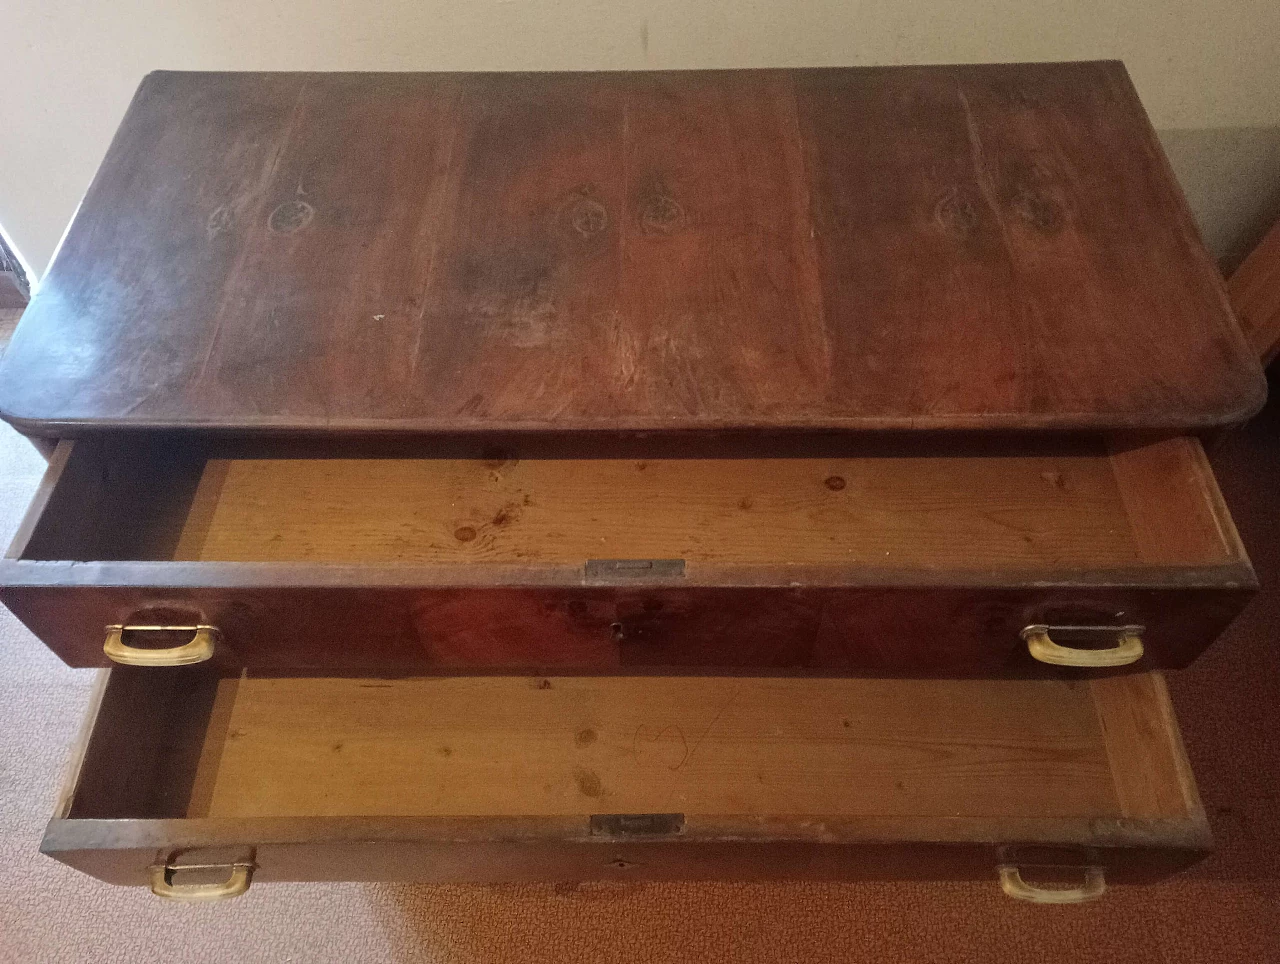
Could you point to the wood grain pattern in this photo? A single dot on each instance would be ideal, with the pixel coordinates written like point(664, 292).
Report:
point(1138, 723)
point(782, 748)
point(1254, 290)
point(69, 527)
point(1172, 522)
point(999, 247)
point(895, 511)
point(712, 748)
point(496, 779)
point(130, 766)
point(950, 624)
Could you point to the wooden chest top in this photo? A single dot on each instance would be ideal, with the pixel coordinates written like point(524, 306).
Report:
point(989, 247)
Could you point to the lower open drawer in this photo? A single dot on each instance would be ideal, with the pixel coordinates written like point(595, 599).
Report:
point(199, 784)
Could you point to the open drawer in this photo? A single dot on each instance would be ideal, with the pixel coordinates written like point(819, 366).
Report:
point(946, 558)
point(198, 784)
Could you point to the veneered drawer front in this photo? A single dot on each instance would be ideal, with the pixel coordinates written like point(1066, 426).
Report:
point(591, 778)
point(902, 559)
point(922, 629)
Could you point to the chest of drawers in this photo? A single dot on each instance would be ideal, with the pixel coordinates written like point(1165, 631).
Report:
point(515, 477)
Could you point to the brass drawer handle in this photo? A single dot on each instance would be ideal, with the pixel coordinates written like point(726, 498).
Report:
point(1128, 647)
point(237, 882)
point(1094, 886)
point(197, 650)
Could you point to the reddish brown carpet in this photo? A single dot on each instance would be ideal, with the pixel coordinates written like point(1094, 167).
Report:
point(1226, 910)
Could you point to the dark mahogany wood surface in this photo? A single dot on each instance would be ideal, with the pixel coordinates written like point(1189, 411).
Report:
point(885, 624)
point(984, 247)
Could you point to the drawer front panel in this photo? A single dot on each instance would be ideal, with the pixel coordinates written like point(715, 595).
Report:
point(378, 851)
point(920, 630)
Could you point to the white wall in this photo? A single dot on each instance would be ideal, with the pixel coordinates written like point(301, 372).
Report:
point(68, 67)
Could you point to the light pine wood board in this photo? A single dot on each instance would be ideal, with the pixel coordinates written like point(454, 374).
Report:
point(1173, 503)
point(957, 512)
point(511, 746)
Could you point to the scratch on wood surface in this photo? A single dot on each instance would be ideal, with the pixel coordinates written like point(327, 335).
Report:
point(811, 290)
point(983, 177)
point(286, 135)
point(981, 173)
point(673, 730)
point(626, 188)
point(434, 221)
point(714, 720)
point(625, 351)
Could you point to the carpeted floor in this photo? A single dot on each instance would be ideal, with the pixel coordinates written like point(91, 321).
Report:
point(1225, 910)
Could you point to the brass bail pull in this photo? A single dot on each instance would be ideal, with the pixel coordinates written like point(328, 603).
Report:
point(1094, 886)
point(1127, 648)
point(238, 879)
point(199, 649)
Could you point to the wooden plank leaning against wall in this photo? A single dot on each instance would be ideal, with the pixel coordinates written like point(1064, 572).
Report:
point(1255, 295)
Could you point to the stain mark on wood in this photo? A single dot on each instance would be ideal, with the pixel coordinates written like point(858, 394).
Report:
point(506, 515)
point(290, 217)
point(584, 216)
point(658, 210)
point(1055, 478)
point(1038, 210)
point(495, 458)
point(588, 782)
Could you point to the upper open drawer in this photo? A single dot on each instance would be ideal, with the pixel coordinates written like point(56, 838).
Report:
point(886, 557)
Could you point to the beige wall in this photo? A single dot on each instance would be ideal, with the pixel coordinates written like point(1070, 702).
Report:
point(1208, 70)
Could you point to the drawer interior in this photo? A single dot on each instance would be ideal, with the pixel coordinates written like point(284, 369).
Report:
point(187, 743)
point(954, 505)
